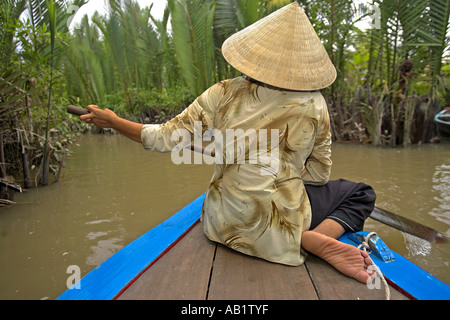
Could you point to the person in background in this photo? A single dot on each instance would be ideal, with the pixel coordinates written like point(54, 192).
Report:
point(277, 213)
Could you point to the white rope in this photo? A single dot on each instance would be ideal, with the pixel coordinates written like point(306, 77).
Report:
point(364, 246)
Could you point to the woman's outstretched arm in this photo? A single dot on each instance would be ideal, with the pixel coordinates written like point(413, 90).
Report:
point(108, 119)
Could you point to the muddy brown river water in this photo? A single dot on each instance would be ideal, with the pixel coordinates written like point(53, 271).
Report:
point(112, 191)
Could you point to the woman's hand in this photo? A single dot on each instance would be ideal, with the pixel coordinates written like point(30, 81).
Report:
point(101, 118)
point(108, 119)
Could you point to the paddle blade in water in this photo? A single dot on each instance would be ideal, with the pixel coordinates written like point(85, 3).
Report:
point(407, 225)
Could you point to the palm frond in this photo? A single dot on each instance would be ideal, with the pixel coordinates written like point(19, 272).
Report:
point(192, 22)
point(37, 12)
point(114, 38)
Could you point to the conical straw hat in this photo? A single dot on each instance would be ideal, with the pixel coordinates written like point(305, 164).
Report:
point(282, 50)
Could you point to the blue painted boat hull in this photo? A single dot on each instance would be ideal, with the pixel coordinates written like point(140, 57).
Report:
point(107, 280)
point(112, 277)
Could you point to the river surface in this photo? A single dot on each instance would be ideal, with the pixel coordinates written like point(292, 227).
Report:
point(111, 191)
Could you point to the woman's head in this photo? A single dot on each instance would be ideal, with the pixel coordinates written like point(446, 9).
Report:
point(282, 50)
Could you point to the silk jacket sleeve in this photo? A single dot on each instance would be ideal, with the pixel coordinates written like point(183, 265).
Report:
point(200, 114)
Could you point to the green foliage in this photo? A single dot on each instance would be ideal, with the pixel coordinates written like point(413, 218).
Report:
point(128, 49)
point(192, 22)
point(31, 119)
point(153, 104)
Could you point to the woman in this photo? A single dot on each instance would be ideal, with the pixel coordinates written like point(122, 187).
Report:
point(276, 210)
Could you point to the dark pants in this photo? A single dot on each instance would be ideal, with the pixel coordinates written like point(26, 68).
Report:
point(348, 203)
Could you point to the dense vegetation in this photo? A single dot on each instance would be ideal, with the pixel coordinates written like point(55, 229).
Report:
point(391, 76)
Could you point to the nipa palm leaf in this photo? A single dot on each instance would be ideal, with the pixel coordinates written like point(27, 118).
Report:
point(192, 22)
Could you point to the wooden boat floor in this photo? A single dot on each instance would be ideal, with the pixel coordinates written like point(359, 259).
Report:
point(198, 269)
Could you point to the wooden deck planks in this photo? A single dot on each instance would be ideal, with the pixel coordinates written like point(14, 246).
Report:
point(198, 269)
point(181, 274)
point(236, 276)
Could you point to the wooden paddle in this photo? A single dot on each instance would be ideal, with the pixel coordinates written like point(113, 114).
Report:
point(386, 217)
point(78, 111)
point(407, 225)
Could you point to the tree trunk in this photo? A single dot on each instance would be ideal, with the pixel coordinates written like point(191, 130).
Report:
point(25, 168)
point(43, 178)
point(339, 119)
point(2, 158)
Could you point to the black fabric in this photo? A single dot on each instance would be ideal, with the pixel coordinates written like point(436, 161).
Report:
point(348, 203)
